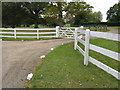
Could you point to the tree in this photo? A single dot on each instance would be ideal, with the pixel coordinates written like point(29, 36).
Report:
point(96, 17)
point(35, 10)
point(78, 12)
point(12, 14)
point(71, 12)
point(113, 14)
point(54, 12)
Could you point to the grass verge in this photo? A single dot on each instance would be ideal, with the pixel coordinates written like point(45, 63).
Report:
point(26, 39)
point(115, 27)
point(63, 68)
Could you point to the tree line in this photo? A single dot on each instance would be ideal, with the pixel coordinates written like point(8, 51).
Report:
point(15, 14)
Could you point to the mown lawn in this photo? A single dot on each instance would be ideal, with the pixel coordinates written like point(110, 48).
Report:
point(64, 68)
point(26, 39)
point(115, 27)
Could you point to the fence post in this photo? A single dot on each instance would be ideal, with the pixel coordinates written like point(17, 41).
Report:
point(75, 42)
point(87, 37)
point(57, 31)
point(37, 34)
point(14, 33)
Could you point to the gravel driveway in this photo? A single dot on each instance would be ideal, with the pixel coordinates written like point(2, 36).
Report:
point(20, 58)
point(112, 30)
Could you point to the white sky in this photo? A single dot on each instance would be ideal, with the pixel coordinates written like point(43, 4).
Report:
point(101, 5)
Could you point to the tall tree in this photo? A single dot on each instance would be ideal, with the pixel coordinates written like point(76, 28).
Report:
point(55, 12)
point(12, 14)
point(35, 10)
point(96, 17)
point(78, 12)
point(113, 14)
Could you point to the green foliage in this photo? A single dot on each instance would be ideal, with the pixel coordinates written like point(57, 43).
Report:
point(13, 14)
point(96, 17)
point(35, 10)
point(48, 13)
point(67, 25)
point(53, 14)
point(113, 14)
point(115, 27)
point(78, 12)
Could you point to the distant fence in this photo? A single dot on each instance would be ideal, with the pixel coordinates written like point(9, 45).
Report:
point(96, 27)
point(29, 32)
point(101, 50)
point(63, 32)
point(67, 32)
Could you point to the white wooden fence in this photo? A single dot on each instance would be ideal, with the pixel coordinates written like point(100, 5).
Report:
point(101, 50)
point(27, 32)
point(67, 32)
point(63, 32)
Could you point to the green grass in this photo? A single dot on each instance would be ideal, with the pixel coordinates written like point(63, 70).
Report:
point(64, 68)
point(115, 27)
point(94, 29)
point(108, 44)
point(19, 39)
point(33, 25)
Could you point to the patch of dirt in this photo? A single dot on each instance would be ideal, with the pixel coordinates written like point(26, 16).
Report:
point(116, 31)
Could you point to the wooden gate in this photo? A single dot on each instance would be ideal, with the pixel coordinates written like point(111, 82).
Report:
point(66, 32)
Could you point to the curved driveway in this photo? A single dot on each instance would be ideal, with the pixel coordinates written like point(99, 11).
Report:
point(112, 30)
point(20, 57)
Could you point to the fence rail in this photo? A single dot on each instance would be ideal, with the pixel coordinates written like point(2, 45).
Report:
point(69, 32)
point(101, 50)
point(28, 29)
point(64, 32)
point(26, 32)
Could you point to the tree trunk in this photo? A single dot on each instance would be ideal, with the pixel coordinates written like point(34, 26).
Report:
point(60, 15)
point(36, 25)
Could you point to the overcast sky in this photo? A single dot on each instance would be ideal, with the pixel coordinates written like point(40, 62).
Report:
point(101, 5)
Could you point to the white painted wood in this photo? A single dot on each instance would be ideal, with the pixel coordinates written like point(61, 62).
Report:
point(37, 34)
point(34, 33)
point(101, 50)
point(69, 27)
point(69, 35)
point(66, 32)
point(57, 31)
point(6, 36)
point(86, 57)
point(47, 33)
point(28, 29)
point(15, 33)
point(104, 67)
point(81, 31)
point(105, 35)
point(75, 36)
point(81, 50)
point(25, 36)
point(81, 41)
point(47, 36)
point(6, 32)
point(106, 52)
point(6, 28)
